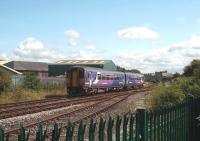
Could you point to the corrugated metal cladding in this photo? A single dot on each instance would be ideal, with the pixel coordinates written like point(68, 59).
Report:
point(62, 66)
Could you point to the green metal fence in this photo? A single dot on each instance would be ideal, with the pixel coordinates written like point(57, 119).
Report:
point(169, 124)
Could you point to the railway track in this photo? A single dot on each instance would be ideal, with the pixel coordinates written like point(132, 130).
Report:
point(29, 107)
point(85, 112)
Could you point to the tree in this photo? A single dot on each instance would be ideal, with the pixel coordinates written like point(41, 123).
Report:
point(176, 75)
point(31, 81)
point(193, 68)
point(5, 81)
point(127, 70)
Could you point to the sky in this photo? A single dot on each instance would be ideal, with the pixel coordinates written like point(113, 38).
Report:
point(151, 36)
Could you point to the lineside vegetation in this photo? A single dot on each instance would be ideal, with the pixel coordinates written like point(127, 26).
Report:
point(31, 89)
point(180, 89)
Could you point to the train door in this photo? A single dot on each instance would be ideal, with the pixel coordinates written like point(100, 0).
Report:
point(74, 78)
point(90, 79)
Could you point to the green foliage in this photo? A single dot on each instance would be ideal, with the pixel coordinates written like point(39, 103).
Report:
point(193, 68)
point(5, 81)
point(179, 89)
point(189, 86)
point(31, 81)
point(176, 75)
point(196, 73)
point(165, 96)
point(127, 70)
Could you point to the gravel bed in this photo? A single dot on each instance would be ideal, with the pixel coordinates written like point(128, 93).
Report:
point(15, 122)
point(128, 105)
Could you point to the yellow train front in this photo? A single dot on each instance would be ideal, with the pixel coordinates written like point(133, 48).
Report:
point(75, 82)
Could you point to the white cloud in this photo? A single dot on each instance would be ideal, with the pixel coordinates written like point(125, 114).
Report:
point(82, 55)
point(172, 58)
point(72, 33)
point(92, 48)
point(138, 33)
point(33, 50)
point(73, 37)
point(72, 42)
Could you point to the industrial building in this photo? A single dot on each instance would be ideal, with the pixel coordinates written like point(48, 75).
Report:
point(38, 68)
point(62, 66)
point(4, 68)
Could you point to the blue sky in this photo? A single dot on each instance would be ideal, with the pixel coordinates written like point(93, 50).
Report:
point(147, 35)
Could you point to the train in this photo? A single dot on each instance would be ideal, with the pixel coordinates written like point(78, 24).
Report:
point(84, 80)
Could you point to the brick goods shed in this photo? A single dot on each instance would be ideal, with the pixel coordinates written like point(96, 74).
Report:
point(62, 66)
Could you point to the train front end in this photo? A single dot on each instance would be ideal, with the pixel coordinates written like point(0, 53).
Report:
point(75, 81)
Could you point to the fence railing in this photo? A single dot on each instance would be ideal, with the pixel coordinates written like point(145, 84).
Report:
point(169, 124)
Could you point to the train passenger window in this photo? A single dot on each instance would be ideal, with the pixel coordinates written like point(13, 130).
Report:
point(103, 78)
point(111, 77)
point(107, 78)
point(99, 76)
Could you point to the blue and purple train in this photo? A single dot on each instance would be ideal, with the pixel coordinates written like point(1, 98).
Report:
point(88, 80)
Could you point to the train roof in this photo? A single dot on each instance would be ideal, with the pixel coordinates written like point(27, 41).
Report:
point(97, 69)
point(135, 74)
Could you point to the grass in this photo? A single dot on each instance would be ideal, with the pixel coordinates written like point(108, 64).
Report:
point(21, 94)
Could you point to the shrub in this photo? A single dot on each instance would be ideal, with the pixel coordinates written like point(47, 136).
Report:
point(190, 69)
point(5, 81)
point(189, 86)
point(164, 96)
point(31, 81)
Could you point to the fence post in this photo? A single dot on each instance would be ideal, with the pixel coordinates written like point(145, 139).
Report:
point(1, 134)
point(69, 131)
point(131, 127)
point(81, 131)
point(101, 129)
point(140, 125)
point(92, 129)
point(125, 123)
point(117, 128)
point(109, 129)
point(40, 134)
point(56, 132)
point(22, 136)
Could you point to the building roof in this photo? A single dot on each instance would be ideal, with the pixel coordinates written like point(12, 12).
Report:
point(28, 66)
point(10, 69)
point(87, 62)
point(2, 64)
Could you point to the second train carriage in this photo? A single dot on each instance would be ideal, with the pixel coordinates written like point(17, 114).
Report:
point(134, 80)
point(85, 80)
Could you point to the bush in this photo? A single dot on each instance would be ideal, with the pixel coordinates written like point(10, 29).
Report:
point(164, 96)
point(5, 81)
point(179, 89)
point(190, 86)
point(190, 69)
point(31, 81)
